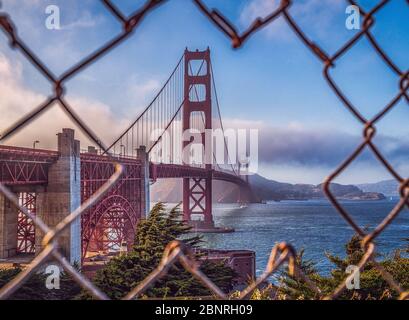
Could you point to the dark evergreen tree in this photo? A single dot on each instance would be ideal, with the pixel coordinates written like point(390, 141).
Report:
point(35, 287)
point(294, 288)
point(372, 284)
point(125, 272)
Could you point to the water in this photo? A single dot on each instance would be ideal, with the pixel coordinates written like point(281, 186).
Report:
point(312, 225)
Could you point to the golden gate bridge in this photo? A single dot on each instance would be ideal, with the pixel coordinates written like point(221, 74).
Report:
point(52, 184)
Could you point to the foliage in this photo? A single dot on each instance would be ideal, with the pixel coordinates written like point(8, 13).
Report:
point(372, 285)
point(125, 272)
point(35, 287)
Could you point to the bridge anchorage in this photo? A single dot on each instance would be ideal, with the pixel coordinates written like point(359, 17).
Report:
point(167, 140)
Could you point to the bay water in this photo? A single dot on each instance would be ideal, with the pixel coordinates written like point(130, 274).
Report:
point(312, 225)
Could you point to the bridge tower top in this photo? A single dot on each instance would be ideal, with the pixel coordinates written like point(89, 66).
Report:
point(67, 144)
point(198, 95)
point(197, 193)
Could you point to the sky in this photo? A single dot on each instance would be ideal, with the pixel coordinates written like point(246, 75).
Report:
point(273, 83)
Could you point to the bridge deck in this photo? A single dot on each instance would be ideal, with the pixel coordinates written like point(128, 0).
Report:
point(19, 166)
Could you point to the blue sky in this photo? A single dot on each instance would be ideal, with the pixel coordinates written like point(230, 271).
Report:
point(273, 83)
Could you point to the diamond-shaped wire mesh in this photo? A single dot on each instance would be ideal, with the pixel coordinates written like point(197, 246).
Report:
point(281, 253)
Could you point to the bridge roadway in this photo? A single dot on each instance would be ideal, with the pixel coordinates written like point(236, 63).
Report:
point(27, 166)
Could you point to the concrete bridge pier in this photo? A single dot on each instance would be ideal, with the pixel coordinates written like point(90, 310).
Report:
point(62, 196)
point(8, 228)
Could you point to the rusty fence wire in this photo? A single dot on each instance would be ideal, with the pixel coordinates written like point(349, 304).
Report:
point(282, 253)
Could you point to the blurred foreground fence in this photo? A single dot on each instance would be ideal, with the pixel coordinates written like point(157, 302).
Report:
point(281, 254)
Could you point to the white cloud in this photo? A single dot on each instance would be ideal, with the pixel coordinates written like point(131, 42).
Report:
point(234, 123)
point(87, 20)
point(260, 9)
point(14, 98)
point(141, 92)
point(297, 153)
point(17, 100)
point(6, 70)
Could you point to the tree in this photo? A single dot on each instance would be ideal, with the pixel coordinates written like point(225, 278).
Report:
point(294, 288)
point(35, 289)
point(123, 273)
point(372, 284)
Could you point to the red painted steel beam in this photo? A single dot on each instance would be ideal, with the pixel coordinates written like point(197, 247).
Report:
point(20, 166)
point(162, 171)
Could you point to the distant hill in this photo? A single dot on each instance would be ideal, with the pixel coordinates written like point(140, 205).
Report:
point(387, 187)
point(274, 190)
point(170, 190)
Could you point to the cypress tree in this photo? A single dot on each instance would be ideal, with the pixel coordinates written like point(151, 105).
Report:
point(372, 284)
point(125, 272)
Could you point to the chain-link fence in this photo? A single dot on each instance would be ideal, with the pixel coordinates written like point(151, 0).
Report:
point(282, 253)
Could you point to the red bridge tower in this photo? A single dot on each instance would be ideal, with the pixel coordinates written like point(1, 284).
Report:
point(197, 192)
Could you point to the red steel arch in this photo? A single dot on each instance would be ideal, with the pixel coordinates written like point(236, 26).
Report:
point(112, 222)
point(113, 219)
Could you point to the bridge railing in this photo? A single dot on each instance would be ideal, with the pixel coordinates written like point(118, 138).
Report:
point(282, 253)
point(28, 152)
